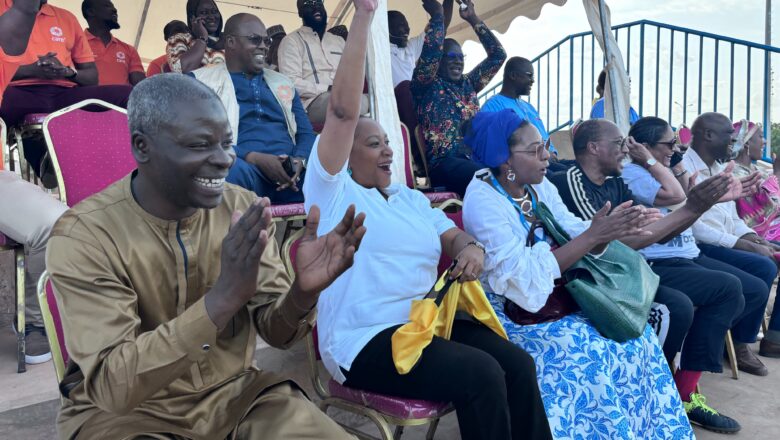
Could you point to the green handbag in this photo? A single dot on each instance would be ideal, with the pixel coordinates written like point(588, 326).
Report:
point(615, 291)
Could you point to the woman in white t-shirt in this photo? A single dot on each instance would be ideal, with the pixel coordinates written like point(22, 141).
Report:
point(490, 382)
point(710, 284)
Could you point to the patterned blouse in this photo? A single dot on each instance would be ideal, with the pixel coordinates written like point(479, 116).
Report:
point(442, 105)
point(179, 44)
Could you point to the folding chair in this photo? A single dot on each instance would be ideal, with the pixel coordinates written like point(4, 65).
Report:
point(53, 324)
point(380, 409)
point(89, 150)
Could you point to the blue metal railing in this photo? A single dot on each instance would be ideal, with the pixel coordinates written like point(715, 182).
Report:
point(726, 66)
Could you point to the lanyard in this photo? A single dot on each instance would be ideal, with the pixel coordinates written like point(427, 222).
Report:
point(517, 207)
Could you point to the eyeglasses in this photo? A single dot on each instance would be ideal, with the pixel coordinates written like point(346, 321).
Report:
point(257, 40)
point(311, 3)
point(617, 142)
point(538, 151)
point(529, 75)
point(455, 55)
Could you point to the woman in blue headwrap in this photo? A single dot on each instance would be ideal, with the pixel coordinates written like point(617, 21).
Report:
point(592, 387)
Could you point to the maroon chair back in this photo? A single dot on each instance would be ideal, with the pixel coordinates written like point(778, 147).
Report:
point(89, 150)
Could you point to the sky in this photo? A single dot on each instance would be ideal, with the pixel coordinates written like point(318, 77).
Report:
point(742, 19)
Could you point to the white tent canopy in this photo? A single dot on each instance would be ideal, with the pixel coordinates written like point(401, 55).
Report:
point(143, 20)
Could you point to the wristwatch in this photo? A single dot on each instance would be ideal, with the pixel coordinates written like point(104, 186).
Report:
point(650, 162)
point(73, 73)
point(479, 246)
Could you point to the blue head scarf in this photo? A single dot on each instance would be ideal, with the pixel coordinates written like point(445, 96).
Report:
point(489, 136)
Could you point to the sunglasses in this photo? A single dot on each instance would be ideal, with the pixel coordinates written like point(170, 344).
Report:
point(257, 40)
point(455, 56)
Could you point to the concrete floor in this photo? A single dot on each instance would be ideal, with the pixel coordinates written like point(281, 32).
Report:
point(29, 401)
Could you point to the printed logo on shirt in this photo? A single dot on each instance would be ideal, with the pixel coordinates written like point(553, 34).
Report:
point(120, 57)
point(56, 34)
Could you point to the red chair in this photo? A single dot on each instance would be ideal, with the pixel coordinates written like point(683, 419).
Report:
point(53, 324)
point(89, 150)
point(381, 409)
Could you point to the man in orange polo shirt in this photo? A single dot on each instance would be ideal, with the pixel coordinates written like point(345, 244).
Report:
point(63, 74)
point(158, 65)
point(117, 62)
point(27, 214)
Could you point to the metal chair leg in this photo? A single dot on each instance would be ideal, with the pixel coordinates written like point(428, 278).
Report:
point(732, 355)
point(399, 431)
point(20, 309)
point(432, 429)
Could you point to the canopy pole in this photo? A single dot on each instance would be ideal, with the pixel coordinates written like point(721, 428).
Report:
point(142, 24)
point(609, 56)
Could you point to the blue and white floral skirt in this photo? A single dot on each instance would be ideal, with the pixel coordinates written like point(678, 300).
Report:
point(596, 388)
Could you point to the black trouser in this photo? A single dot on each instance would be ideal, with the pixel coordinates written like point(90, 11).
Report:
point(680, 319)
point(454, 173)
point(718, 298)
point(490, 381)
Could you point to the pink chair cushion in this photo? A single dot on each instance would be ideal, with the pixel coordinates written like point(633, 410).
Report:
point(5, 241)
point(55, 315)
point(34, 118)
point(292, 209)
point(92, 149)
point(392, 406)
point(441, 197)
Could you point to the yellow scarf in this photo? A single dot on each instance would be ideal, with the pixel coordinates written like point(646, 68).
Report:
point(428, 320)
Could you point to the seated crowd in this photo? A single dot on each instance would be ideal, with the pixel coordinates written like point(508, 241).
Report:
point(165, 279)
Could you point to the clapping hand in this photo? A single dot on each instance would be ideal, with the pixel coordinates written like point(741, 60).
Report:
point(702, 196)
point(320, 260)
point(624, 221)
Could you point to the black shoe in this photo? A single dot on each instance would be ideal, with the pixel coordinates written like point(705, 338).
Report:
point(769, 348)
point(36, 345)
point(702, 415)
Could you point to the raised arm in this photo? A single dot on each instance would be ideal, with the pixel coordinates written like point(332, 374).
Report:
point(16, 26)
point(481, 75)
point(671, 192)
point(344, 105)
point(428, 64)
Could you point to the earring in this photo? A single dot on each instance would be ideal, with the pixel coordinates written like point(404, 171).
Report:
point(510, 176)
point(349, 171)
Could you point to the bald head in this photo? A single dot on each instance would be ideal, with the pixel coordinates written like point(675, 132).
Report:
point(246, 44)
point(713, 136)
point(237, 23)
point(591, 131)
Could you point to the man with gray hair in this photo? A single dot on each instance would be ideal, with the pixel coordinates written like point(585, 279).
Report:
point(166, 278)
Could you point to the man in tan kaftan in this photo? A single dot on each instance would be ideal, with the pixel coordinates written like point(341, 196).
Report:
point(163, 286)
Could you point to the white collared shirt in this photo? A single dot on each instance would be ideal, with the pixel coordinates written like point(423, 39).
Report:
point(721, 225)
point(310, 62)
point(525, 275)
point(403, 60)
point(396, 263)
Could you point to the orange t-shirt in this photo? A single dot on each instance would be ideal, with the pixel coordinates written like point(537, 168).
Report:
point(55, 30)
point(8, 66)
point(157, 65)
point(115, 61)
